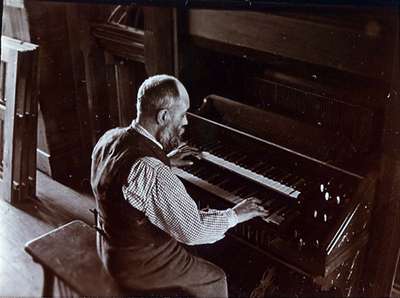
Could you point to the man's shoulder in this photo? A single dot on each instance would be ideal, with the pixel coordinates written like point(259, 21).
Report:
point(112, 135)
point(114, 139)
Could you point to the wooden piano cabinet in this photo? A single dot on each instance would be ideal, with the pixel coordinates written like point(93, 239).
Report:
point(18, 119)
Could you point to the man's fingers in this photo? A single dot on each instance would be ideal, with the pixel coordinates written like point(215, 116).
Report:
point(259, 208)
point(182, 144)
point(261, 213)
point(255, 200)
point(188, 148)
point(188, 153)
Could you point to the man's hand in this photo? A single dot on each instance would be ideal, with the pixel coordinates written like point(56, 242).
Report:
point(248, 209)
point(177, 155)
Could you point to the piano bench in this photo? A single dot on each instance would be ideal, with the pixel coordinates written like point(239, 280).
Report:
point(72, 267)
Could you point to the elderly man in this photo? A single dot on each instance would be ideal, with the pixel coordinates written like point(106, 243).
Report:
point(144, 209)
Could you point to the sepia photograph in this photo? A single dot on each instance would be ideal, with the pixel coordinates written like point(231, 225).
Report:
point(199, 148)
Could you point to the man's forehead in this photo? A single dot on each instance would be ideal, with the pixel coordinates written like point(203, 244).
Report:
point(182, 103)
point(185, 101)
point(183, 96)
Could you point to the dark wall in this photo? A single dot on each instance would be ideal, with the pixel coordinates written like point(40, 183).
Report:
point(62, 151)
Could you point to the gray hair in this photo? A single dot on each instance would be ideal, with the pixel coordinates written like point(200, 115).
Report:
point(156, 93)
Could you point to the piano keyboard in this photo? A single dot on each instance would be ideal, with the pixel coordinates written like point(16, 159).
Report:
point(259, 171)
point(265, 181)
point(275, 207)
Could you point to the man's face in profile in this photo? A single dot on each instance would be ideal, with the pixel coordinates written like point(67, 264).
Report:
point(171, 133)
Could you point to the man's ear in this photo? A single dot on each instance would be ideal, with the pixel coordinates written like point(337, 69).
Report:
point(162, 116)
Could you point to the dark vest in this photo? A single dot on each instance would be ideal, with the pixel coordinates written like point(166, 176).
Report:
point(112, 159)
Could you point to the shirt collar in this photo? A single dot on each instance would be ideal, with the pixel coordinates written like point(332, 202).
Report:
point(140, 129)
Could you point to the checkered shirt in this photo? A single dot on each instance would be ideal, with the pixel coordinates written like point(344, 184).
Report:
point(155, 190)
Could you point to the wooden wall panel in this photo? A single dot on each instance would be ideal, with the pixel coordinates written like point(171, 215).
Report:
point(158, 40)
point(44, 23)
point(347, 48)
point(64, 125)
point(90, 72)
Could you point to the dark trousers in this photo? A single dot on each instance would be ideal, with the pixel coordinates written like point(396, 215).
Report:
point(171, 270)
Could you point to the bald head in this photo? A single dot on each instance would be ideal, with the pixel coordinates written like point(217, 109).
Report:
point(160, 92)
point(162, 103)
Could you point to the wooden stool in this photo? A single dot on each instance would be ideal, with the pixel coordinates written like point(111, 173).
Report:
point(69, 259)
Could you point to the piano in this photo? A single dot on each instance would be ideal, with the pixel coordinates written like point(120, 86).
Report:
point(319, 203)
point(297, 121)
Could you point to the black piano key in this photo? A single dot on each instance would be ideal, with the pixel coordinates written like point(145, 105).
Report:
point(290, 181)
point(268, 205)
point(242, 157)
point(223, 182)
point(238, 188)
point(258, 164)
point(246, 191)
point(214, 147)
point(265, 170)
point(221, 152)
point(276, 204)
point(247, 162)
point(192, 169)
point(270, 172)
point(281, 175)
point(216, 179)
point(197, 168)
point(230, 155)
point(255, 193)
point(286, 178)
point(237, 158)
point(232, 185)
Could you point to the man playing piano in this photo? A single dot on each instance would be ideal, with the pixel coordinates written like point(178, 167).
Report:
point(145, 213)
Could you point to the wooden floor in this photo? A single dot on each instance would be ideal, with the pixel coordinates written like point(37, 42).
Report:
point(55, 205)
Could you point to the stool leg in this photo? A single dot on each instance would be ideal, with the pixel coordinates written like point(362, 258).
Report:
point(48, 283)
